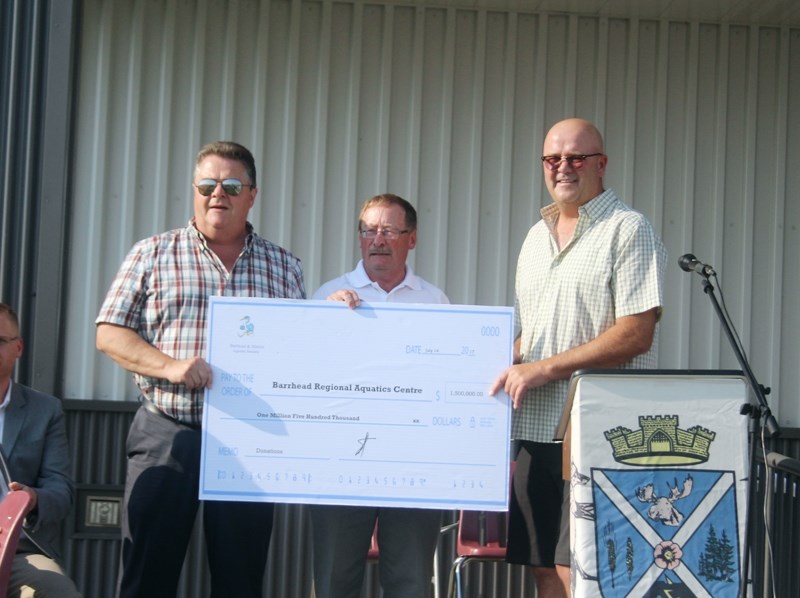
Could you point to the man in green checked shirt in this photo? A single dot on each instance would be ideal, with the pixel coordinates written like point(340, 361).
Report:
point(588, 295)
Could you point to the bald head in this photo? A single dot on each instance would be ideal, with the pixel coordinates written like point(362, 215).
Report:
point(573, 183)
point(576, 130)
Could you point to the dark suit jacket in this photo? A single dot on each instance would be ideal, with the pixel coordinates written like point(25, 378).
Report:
point(37, 455)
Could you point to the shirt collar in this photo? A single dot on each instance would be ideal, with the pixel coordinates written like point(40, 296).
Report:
point(592, 209)
point(7, 397)
point(359, 278)
point(248, 240)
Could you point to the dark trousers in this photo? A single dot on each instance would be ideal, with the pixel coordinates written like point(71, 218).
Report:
point(159, 511)
point(407, 541)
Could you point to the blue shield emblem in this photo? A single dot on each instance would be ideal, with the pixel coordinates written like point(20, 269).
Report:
point(670, 533)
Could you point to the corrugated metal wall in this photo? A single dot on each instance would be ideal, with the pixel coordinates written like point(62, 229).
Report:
point(97, 432)
point(774, 524)
point(37, 41)
point(340, 100)
point(448, 107)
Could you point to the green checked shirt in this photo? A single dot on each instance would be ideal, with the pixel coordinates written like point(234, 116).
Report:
point(162, 290)
point(613, 267)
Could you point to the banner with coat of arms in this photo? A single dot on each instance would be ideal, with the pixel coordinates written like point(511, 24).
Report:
point(659, 485)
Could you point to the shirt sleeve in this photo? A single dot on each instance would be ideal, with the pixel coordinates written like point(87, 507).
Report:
point(123, 302)
point(638, 278)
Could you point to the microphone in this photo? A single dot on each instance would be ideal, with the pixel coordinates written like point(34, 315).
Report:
point(689, 263)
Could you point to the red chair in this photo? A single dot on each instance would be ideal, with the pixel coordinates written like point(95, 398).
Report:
point(13, 509)
point(481, 537)
point(373, 553)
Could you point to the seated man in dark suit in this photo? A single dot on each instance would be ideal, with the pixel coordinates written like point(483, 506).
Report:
point(34, 459)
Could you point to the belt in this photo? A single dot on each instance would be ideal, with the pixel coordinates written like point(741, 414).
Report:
point(152, 408)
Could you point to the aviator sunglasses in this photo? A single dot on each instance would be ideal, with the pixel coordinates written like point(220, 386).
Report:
point(232, 187)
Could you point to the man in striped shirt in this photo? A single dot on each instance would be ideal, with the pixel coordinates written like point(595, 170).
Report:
point(153, 323)
point(588, 295)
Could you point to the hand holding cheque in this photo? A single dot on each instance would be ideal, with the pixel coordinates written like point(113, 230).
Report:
point(303, 409)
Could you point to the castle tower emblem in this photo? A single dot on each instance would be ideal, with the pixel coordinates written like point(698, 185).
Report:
point(660, 442)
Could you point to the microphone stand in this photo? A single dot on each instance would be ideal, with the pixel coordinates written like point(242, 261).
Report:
point(761, 412)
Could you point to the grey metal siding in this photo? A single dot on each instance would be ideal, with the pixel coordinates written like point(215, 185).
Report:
point(339, 100)
point(37, 41)
point(447, 106)
point(97, 432)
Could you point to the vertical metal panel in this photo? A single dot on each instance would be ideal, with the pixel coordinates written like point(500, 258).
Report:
point(774, 523)
point(53, 173)
point(97, 431)
point(22, 25)
point(340, 100)
point(765, 307)
point(789, 234)
point(680, 118)
point(447, 106)
point(36, 75)
point(435, 186)
point(492, 202)
point(335, 223)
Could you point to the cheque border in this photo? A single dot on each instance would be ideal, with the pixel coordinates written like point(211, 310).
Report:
point(209, 488)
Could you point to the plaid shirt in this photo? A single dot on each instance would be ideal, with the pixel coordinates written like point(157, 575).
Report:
point(162, 291)
point(613, 267)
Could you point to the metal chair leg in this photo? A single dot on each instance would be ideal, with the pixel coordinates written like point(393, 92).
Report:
point(455, 583)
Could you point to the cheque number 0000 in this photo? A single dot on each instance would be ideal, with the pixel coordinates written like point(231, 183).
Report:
point(490, 330)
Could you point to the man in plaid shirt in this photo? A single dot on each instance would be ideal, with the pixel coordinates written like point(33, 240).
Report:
point(588, 295)
point(153, 323)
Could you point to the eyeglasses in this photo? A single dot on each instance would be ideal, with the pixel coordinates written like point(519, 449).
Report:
point(4, 340)
point(388, 233)
point(575, 162)
point(232, 187)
